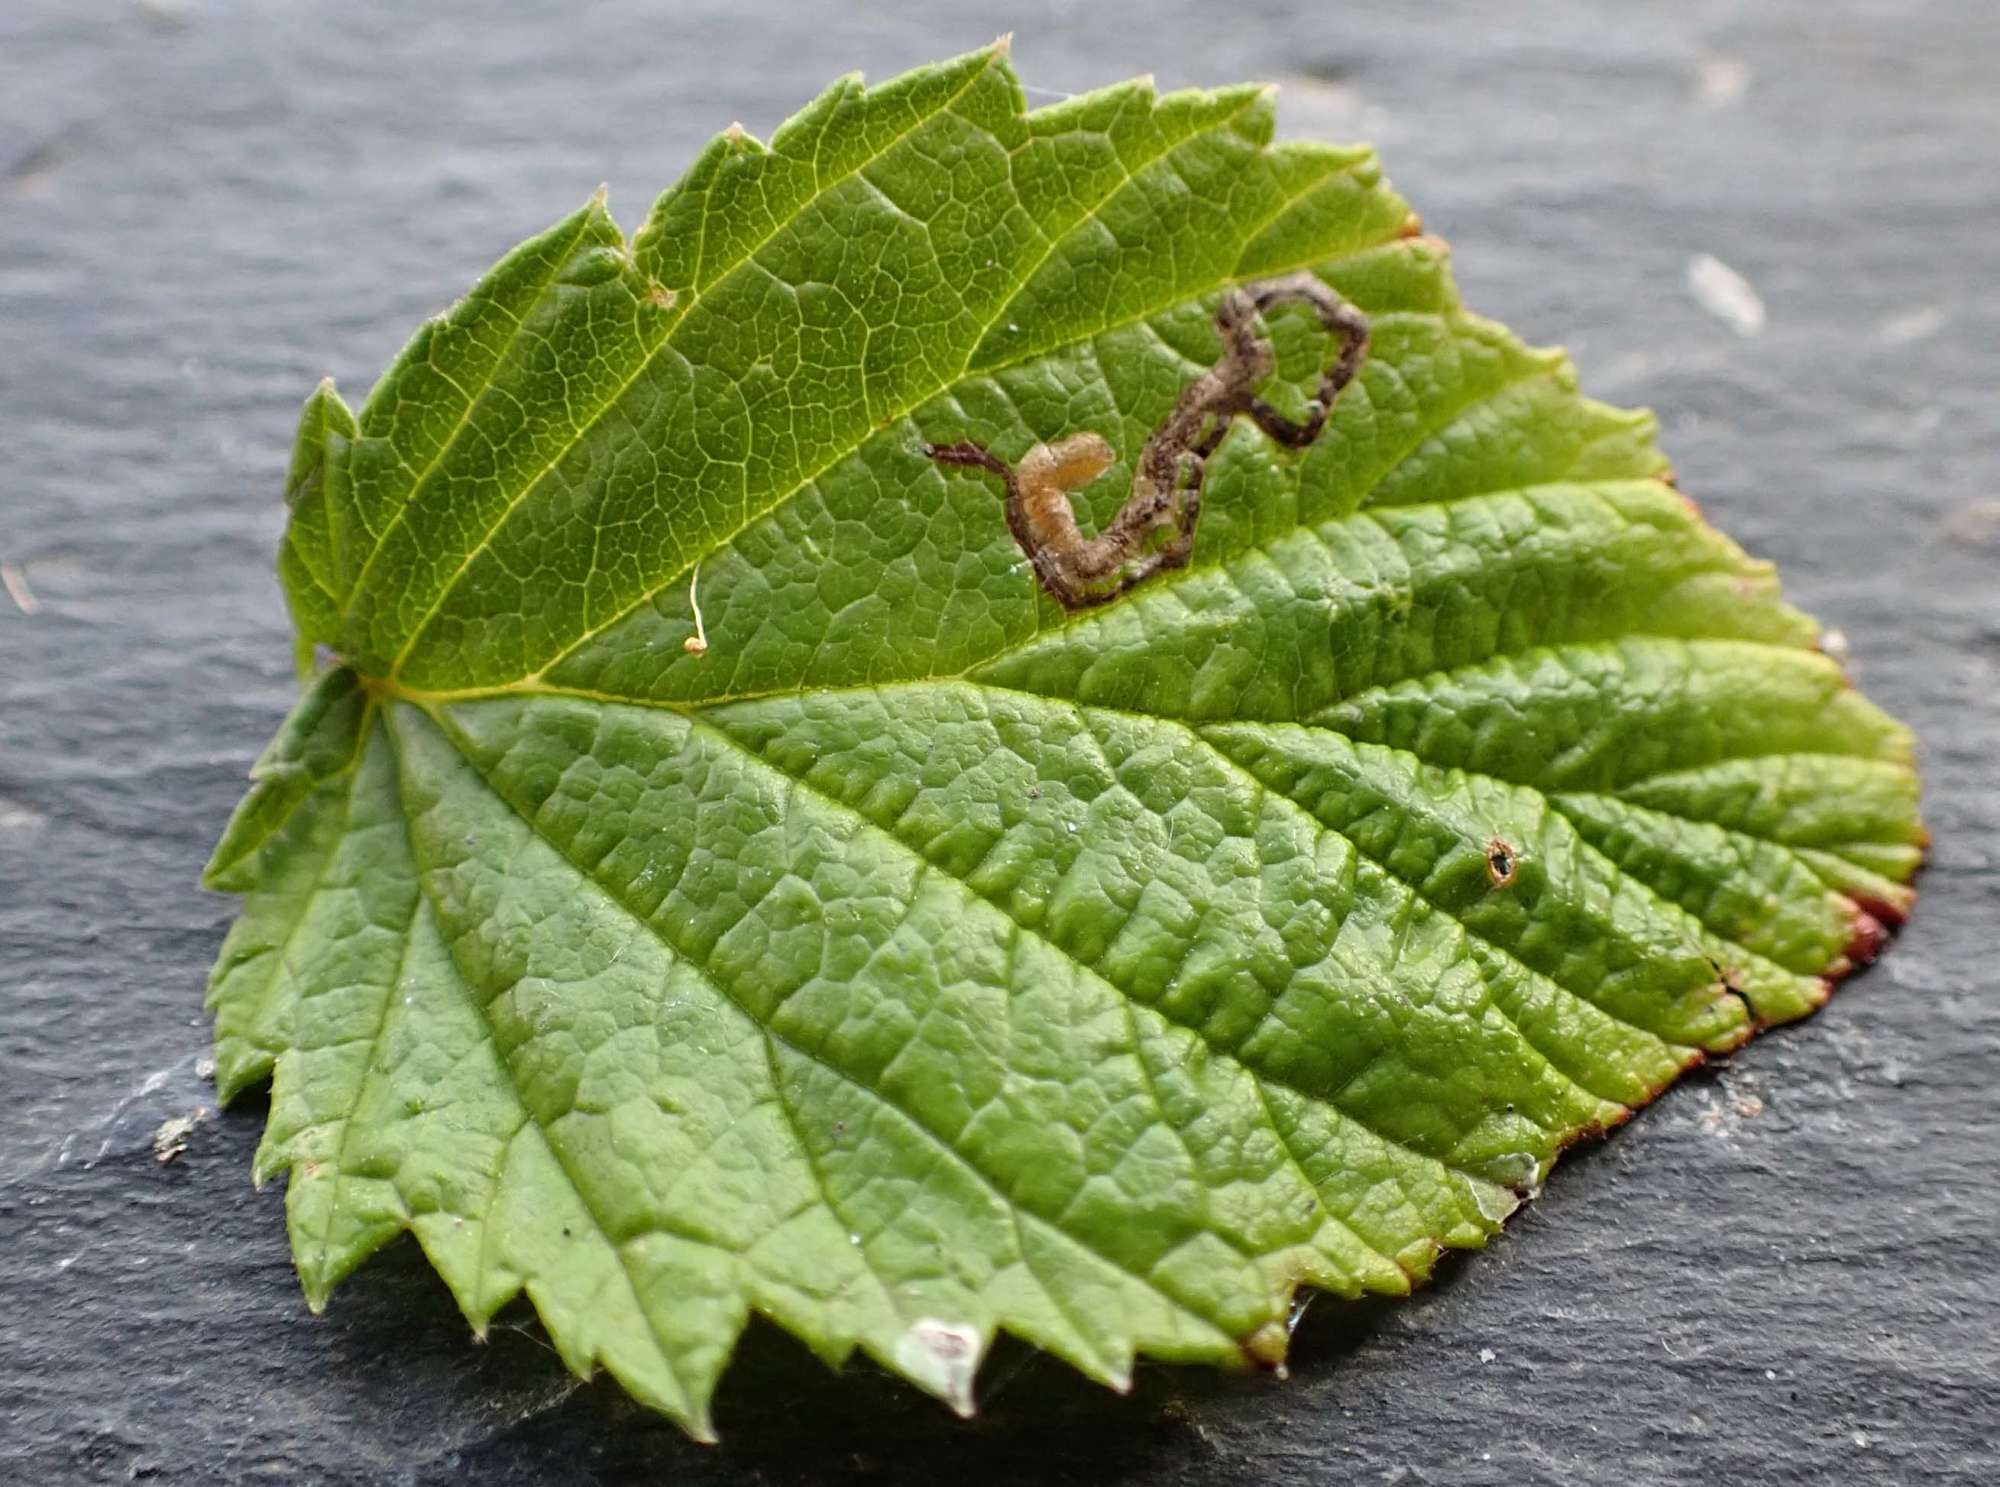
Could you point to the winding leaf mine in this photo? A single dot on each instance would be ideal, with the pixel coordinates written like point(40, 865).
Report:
point(918, 958)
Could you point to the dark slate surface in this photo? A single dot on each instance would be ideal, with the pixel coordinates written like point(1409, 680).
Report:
point(1783, 1272)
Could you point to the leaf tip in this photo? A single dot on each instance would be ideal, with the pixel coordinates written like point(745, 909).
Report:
point(322, 402)
point(943, 1357)
point(324, 388)
point(1267, 1346)
point(316, 1272)
point(1001, 47)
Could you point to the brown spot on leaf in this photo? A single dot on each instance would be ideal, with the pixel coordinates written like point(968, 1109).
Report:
point(1503, 863)
point(1867, 935)
point(1889, 913)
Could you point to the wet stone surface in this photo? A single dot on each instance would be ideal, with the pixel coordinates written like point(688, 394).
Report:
point(1774, 224)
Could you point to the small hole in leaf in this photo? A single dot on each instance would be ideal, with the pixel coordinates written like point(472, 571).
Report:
point(1502, 863)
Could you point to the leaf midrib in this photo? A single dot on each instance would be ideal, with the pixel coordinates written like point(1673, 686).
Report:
point(431, 702)
point(537, 683)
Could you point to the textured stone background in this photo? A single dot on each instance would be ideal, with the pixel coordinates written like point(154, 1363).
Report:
point(1783, 1272)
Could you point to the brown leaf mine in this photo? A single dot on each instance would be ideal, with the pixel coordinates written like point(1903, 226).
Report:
point(1154, 529)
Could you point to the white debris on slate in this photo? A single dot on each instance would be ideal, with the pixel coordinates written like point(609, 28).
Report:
point(171, 1139)
point(1720, 80)
point(1725, 294)
point(1911, 325)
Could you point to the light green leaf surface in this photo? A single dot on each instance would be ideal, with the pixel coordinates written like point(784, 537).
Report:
point(922, 960)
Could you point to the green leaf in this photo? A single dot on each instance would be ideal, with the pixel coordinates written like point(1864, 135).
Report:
point(717, 878)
